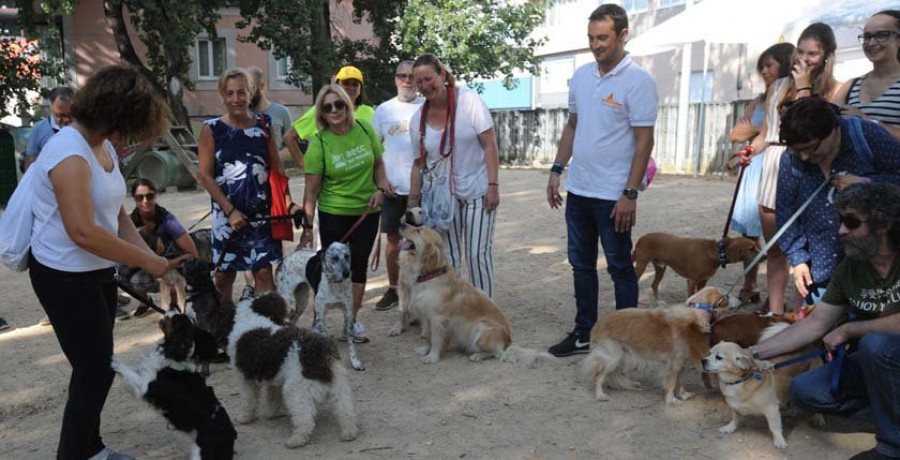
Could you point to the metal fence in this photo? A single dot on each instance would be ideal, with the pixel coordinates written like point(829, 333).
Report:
point(531, 136)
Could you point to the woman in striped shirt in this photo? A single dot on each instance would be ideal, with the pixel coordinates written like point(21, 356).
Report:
point(876, 95)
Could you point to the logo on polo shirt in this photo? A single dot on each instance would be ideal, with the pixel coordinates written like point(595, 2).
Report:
point(611, 101)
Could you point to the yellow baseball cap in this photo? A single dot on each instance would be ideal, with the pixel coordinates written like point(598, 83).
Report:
point(349, 72)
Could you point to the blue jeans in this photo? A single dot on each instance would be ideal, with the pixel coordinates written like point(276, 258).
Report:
point(870, 377)
point(587, 220)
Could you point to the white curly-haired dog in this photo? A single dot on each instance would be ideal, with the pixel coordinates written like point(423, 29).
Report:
point(327, 274)
point(295, 369)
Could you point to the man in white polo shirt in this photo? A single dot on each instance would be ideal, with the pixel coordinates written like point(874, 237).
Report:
point(609, 137)
point(391, 123)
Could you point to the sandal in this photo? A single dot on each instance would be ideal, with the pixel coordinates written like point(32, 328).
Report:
point(748, 297)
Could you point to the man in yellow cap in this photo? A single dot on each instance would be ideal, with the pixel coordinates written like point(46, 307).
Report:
point(351, 79)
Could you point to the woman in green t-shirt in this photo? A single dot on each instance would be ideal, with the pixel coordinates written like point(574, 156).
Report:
point(345, 177)
point(351, 79)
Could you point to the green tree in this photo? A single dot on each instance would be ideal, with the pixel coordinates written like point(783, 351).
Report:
point(476, 38)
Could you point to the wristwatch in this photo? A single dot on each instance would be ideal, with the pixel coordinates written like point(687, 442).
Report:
point(631, 193)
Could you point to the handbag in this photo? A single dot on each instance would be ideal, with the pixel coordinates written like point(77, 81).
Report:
point(16, 224)
point(439, 202)
point(649, 174)
point(278, 188)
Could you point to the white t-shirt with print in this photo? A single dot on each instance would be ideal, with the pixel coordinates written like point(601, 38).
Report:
point(470, 177)
point(391, 123)
point(609, 107)
point(51, 245)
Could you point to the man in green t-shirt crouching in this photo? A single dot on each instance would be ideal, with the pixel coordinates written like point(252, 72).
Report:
point(865, 290)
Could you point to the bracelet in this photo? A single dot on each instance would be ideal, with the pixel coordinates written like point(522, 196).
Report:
point(228, 214)
point(494, 184)
point(557, 168)
point(805, 88)
point(381, 189)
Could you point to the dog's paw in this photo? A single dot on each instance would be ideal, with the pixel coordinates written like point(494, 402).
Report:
point(395, 331)
point(357, 365)
point(599, 395)
point(298, 440)
point(423, 350)
point(116, 364)
point(685, 395)
point(780, 442)
point(674, 401)
point(244, 419)
point(349, 433)
point(476, 357)
point(728, 429)
point(818, 420)
point(431, 359)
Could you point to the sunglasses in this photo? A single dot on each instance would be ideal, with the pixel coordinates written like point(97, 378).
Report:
point(880, 36)
point(328, 107)
point(149, 197)
point(404, 76)
point(851, 222)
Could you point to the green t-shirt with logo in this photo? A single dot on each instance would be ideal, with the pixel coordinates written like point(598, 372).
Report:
point(346, 164)
point(857, 285)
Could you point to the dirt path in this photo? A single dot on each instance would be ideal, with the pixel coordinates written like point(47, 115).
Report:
point(453, 409)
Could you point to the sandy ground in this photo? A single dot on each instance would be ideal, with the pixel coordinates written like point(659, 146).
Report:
point(453, 409)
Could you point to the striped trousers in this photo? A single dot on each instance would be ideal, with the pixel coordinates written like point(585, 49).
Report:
point(473, 227)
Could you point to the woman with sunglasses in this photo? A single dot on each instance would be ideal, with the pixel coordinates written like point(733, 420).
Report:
point(811, 74)
point(236, 153)
point(84, 232)
point(876, 95)
point(346, 179)
point(351, 79)
point(150, 217)
point(822, 143)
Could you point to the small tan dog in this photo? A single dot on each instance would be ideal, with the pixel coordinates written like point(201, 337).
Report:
point(693, 258)
point(452, 312)
point(752, 387)
point(637, 339)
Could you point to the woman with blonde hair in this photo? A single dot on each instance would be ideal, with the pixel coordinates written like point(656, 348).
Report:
point(78, 205)
point(346, 180)
point(236, 157)
point(454, 132)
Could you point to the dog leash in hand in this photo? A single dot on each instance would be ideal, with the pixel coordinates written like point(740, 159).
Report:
point(376, 257)
point(743, 165)
point(778, 235)
point(140, 296)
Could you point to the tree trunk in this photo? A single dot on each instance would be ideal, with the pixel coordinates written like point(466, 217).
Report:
point(321, 74)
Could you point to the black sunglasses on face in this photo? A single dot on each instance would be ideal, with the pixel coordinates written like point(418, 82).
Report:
point(880, 36)
point(328, 107)
point(851, 222)
point(149, 197)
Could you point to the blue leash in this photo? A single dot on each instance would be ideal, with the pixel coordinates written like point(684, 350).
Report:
point(838, 363)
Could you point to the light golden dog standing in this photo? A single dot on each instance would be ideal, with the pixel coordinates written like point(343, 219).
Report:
point(753, 387)
point(638, 340)
point(452, 312)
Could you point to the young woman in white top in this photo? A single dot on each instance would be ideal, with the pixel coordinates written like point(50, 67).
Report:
point(458, 126)
point(811, 74)
point(876, 95)
point(81, 230)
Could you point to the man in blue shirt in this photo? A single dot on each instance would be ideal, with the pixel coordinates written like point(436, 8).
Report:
point(60, 115)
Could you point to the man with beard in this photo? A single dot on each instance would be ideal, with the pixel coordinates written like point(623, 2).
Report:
point(862, 299)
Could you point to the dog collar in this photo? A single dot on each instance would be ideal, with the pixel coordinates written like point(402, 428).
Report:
point(705, 307)
point(431, 276)
point(723, 259)
point(755, 374)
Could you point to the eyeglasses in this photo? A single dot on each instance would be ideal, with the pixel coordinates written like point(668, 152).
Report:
point(851, 222)
point(404, 76)
point(149, 197)
point(328, 107)
point(880, 36)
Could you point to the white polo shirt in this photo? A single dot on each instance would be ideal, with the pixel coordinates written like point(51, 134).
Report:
point(608, 107)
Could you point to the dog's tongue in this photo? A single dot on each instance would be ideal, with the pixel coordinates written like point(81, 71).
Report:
point(405, 245)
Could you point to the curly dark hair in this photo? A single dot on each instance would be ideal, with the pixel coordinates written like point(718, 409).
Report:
point(808, 119)
point(878, 202)
point(119, 100)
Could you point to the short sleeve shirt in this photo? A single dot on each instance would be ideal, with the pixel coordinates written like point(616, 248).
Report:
point(608, 107)
point(281, 120)
point(40, 134)
point(346, 164)
point(391, 123)
point(857, 285)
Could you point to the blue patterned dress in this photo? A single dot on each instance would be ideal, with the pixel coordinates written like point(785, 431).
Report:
point(242, 172)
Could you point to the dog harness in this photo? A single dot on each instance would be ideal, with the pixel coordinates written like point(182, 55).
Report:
point(431, 276)
point(723, 258)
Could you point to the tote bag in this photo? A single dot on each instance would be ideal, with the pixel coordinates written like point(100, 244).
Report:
point(438, 201)
point(16, 224)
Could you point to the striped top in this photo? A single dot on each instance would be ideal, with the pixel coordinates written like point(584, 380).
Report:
point(886, 108)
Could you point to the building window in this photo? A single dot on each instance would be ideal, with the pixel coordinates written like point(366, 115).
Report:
point(211, 57)
point(698, 92)
point(670, 3)
point(558, 11)
point(637, 6)
point(284, 66)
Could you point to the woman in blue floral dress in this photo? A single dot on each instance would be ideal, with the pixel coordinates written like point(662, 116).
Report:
point(234, 169)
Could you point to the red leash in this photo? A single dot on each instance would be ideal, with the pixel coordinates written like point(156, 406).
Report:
point(743, 165)
point(376, 258)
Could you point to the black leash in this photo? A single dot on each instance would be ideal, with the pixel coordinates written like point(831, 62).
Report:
point(140, 296)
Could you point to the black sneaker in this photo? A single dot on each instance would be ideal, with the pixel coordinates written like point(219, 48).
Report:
point(121, 314)
point(388, 300)
point(4, 325)
point(571, 345)
point(142, 311)
point(247, 293)
point(123, 300)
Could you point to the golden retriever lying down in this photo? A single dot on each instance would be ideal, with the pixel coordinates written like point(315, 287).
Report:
point(637, 339)
point(452, 312)
point(751, 387)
